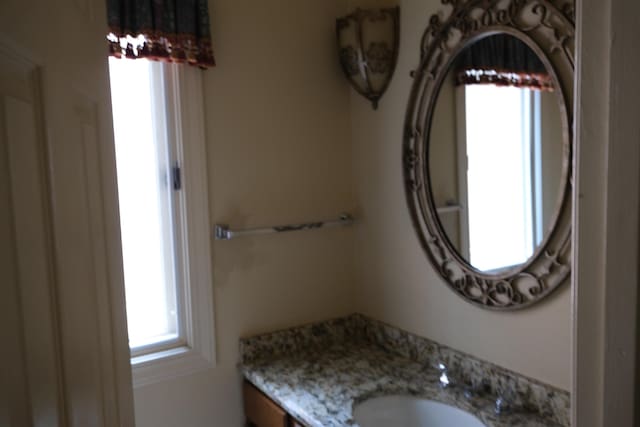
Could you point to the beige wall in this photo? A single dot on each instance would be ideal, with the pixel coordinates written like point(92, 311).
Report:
point(278, 141)
point(443, 151)
point(395, 282)
point(443, 164)
point(552, 134)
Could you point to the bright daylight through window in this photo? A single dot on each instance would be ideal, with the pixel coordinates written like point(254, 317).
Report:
point(149, 205)
point(503, 155)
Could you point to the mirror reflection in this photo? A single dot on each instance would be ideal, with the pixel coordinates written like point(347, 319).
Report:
point(496, 153)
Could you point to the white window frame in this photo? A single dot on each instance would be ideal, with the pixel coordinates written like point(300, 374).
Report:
point(194, 349)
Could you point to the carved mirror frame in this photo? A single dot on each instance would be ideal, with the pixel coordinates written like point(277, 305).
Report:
point(547, 27)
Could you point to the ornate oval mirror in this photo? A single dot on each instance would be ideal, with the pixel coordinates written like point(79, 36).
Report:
point(487, 149)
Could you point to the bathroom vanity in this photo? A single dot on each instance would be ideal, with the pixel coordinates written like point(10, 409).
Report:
point(315, 375)
point(263, 412)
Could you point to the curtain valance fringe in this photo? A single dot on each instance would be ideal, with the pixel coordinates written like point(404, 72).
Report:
point(161, 30)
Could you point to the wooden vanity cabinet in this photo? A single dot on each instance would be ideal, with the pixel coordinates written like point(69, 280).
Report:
point(260, 411)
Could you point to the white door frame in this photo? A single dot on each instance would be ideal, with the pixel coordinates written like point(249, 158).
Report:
point(67, 319)
point(606, 213)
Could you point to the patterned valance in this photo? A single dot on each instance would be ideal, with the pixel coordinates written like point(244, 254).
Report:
point(166, 30)
point(502, 60)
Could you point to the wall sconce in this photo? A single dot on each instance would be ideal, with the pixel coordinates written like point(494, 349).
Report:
point(368, 49)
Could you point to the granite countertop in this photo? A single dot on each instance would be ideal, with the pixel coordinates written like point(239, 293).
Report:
point(319, 386)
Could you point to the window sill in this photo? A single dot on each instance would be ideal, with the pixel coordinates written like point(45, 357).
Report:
point(168, 364)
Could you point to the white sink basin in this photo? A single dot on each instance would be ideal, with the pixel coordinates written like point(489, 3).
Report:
point(407, 411)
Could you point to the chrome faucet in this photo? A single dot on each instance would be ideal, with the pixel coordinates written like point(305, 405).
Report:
point(476, 387)
point(505, 401)
point(471, 387)
point(444, 379)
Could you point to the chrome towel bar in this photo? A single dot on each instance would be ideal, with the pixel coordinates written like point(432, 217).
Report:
point(223, 232)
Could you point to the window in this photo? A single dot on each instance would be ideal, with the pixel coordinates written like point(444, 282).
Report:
point(160, 160)
point(503, 171)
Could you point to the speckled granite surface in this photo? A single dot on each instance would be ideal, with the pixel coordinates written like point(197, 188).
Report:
point(318, 372)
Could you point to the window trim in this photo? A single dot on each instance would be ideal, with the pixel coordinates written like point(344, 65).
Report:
point(163, 118)
point(194, 349)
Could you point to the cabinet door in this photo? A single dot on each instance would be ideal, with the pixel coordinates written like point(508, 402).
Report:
point(260, 410)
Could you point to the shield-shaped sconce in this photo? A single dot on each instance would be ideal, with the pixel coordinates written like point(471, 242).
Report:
point(368, 49)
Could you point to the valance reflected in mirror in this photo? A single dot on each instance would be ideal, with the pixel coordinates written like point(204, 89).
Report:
point(496, 153)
